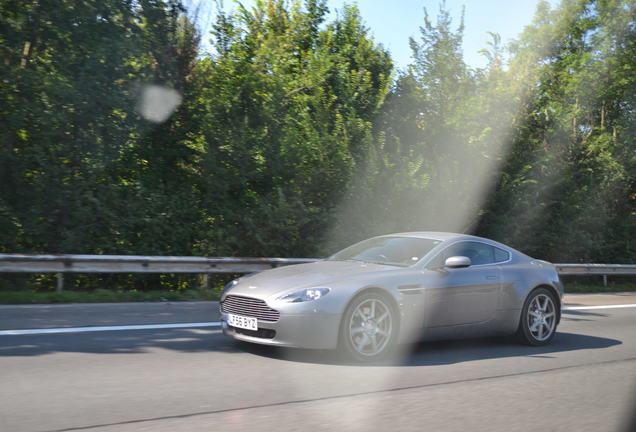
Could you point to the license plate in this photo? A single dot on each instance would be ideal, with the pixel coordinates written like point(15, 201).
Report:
point(247, 323)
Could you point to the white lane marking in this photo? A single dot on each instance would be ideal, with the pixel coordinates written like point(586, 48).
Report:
point(600, 307)
point(201, 324)
point(106, 328)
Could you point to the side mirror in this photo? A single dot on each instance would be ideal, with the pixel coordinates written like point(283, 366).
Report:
point(457, 262)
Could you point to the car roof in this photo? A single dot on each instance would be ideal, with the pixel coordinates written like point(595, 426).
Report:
point(433, 235)
point(447, 236)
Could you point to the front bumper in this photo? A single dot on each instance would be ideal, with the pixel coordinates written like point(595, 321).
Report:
point(306, 330)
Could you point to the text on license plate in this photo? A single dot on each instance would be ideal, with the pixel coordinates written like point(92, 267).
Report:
point(248, 323)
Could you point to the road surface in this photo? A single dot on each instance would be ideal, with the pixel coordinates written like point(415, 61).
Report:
point(195, 379)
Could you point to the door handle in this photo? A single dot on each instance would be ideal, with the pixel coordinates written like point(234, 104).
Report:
point(492, 277)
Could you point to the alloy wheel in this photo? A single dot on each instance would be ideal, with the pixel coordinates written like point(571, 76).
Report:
point(541, 317)
point(370, 327)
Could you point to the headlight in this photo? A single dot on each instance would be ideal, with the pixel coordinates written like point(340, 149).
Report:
point(305, 295)
point(230, 285)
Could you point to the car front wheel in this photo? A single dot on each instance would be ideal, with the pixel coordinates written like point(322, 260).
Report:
point(369, 328)
point(539, 318)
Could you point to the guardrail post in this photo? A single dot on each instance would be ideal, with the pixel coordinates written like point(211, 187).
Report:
point(205, 282)
point(605, 281)
point(60, 282)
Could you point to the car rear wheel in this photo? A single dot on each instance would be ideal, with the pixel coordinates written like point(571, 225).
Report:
point(369, 328)
point(539, 318)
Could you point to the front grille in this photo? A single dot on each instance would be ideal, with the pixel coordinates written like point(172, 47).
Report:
point(250, 307)
point(260, 333)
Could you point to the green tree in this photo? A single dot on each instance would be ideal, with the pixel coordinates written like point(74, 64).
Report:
point(408, 179)
point(287, 114)
point(565, 192)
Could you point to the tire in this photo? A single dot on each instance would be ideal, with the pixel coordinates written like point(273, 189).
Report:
point(539, 318)
point(369, 328)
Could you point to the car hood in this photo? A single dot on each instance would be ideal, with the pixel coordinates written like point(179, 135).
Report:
point(299, 276)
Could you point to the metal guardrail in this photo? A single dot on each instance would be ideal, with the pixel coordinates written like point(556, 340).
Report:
point(18, 263)
point(60, 264)
point(604, 270)
point(596, 269)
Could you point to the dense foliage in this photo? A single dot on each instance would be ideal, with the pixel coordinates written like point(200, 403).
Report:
point(295, 136)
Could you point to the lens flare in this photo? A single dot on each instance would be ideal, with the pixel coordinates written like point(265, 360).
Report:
point(158, 103)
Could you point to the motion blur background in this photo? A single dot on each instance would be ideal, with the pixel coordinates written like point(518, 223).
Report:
point(283, 128)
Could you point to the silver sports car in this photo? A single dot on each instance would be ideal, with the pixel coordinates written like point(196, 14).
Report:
point(397, 288)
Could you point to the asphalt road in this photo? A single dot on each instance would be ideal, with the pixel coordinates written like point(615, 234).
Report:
point(195, 379)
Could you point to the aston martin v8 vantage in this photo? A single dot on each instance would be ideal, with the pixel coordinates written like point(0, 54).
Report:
point(397, 288)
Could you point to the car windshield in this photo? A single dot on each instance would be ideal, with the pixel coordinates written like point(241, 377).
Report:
point(398, 251)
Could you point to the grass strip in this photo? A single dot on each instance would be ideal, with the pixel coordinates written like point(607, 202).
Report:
point(114, 296)
point(104, 296)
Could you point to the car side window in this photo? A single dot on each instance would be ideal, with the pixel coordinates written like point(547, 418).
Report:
point(479, 253)
point(501, 255)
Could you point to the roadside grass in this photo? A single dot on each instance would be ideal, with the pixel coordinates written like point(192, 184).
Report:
point(571, 287)
point(114, 296)
point(105, 296)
